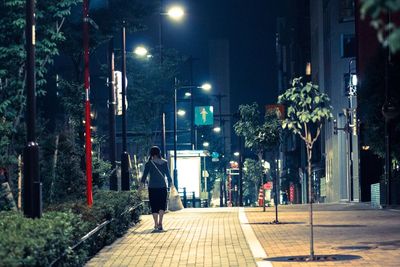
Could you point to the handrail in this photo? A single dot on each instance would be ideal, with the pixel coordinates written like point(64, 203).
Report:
point(92, 232)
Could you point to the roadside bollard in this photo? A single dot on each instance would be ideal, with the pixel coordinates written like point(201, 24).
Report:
point(194, 199)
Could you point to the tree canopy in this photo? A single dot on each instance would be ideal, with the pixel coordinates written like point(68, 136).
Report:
point(259, 134)
point(388, 31)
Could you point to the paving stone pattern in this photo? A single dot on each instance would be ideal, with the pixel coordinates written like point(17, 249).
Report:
point(351, 230)
point(192, 237)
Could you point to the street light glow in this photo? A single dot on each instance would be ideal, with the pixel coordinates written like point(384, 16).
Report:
point(206, 87)
point(140, 51)
point(176, 12)
point(217, 129)
point(236, 154)
point(206, 144)
point(181, 112)
point(188, 94)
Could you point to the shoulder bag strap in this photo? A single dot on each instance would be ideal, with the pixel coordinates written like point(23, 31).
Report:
point(162, 175)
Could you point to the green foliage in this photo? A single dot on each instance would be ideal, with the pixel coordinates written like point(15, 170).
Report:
point(388, 32)
point(253, 172)
point(150, 87)
point(306, 107)
point(27, 242)
point(106, 205)
point(259, 135)
point(50, 16)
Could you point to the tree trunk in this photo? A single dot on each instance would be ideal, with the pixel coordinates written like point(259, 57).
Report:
point(54, 168)
point(310, 199)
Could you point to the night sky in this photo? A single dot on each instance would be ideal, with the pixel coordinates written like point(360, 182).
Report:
point(250, 28)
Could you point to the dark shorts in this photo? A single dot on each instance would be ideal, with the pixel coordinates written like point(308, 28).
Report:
point(158, 199)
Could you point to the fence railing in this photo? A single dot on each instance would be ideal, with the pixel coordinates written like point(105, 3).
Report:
point(93, 232)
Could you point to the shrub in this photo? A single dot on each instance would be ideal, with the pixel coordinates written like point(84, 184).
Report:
point(27, 242)
point(39, 242)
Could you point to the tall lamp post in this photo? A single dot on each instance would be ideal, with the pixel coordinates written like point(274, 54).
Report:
point(175, 13)
point(111, 113)
point(125, 185)
point(32, 184)
point(389, 111)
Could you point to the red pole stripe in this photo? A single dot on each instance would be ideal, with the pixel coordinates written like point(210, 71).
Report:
point(88, 141)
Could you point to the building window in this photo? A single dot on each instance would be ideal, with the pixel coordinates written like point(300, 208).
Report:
point(348, 46)
point(346, 10)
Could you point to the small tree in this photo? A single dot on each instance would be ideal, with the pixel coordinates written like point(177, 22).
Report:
point(252, 172)
point(259, 135)
point(307, 109)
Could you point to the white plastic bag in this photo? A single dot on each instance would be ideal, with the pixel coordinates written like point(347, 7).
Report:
point(175, 202)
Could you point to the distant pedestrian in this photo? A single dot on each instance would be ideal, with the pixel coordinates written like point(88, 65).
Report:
point(158, 169)
point(285, 197)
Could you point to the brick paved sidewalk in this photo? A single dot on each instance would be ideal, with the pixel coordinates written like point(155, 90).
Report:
point(373, 235)
point(193, 237)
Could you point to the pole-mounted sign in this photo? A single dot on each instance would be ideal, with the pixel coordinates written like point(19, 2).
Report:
point(204, 115)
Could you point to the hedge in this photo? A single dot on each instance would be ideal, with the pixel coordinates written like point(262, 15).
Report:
point(40, 242)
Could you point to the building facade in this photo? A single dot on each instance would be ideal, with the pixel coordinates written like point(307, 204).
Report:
point(333, 65)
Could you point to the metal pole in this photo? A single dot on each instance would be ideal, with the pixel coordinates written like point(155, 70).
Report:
point(387, 163)
point(163, 141)
point(32, 184)
point(125, 186)
point(160, 39)
point(192, 134)
point(175, 134)
point(240, 172)
point(387, 169)
point(276, 191)
point(111, 115)
point(88, 140)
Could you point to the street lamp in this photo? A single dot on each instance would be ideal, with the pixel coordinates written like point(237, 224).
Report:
point(217, 129)
point(181, 112)
point(206, 144)
point(32, 184)
point(176, 13)
point(140, 51)
point(125, 186)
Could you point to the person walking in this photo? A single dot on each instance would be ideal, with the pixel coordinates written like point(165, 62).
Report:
point(158, 169)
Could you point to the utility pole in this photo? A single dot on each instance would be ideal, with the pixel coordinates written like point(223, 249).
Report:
point(111, 115)
point(160, 47)
point(223, 193)
point(88, 140)
point(125, 185)
point(175, 134)
point(240, 172)
point(32, 184)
